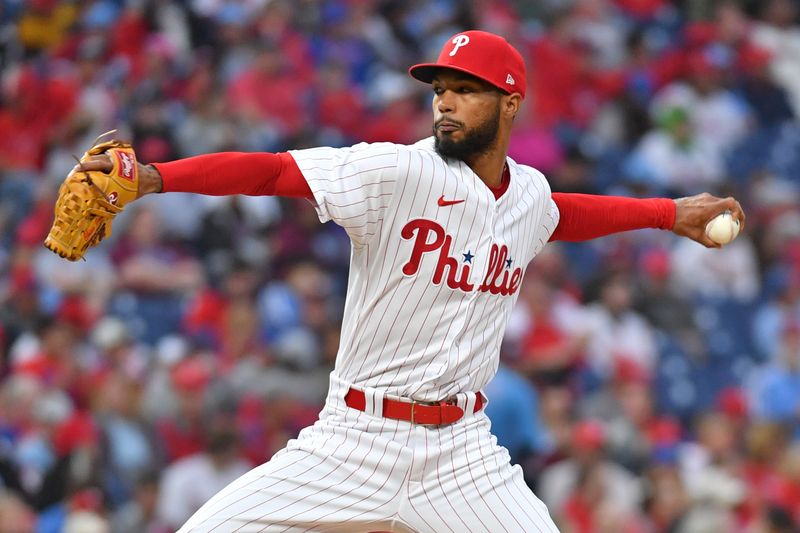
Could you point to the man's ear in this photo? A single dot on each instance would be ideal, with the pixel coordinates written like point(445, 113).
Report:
point(511, 104)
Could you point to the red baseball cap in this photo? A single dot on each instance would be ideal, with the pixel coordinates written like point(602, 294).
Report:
point(191, 375)
point(482, 54)
point(589, 435)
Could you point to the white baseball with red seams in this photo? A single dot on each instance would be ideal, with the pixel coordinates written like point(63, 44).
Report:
point(723, 228)
point(435, 270)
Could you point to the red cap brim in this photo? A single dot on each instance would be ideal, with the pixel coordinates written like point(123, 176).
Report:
point(425, 72)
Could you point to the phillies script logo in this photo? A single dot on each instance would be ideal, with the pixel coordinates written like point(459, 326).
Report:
point(430, 237)
point(127, 165)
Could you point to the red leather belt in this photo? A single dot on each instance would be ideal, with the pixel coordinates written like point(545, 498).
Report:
point(421, 413)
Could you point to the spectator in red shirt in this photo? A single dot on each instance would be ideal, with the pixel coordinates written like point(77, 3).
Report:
point(266, 91)
point(550, 350)
point(183, 433)
point(341, 103)
point(36, 102)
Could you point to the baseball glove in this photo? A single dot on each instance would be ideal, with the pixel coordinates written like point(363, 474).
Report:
point(88, 201)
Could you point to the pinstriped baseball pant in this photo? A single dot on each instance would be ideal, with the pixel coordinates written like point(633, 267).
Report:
point(357, 472)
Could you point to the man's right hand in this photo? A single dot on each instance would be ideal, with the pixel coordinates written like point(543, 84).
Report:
point(694, 212)
point(149, 177)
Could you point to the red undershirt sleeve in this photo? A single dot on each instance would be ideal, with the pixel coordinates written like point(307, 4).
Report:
point(254, 174)
point(585, 216)
point(582, 216)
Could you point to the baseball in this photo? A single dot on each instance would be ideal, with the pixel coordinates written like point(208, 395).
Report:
point(723, 228)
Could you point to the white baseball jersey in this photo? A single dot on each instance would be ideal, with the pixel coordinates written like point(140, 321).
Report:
point(435, 270)
point(436, 262)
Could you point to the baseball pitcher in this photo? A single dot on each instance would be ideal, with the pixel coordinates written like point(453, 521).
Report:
point(442, 232)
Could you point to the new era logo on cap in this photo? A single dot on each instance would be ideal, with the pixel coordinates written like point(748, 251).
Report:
point(482, 54)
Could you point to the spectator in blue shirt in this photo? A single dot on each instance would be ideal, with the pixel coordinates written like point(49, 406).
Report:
point(514, 411)
point(777, 388)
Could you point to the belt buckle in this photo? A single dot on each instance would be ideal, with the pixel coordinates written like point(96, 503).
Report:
point(414, 405)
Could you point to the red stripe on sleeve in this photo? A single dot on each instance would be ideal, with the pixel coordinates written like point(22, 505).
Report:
point(254, 174)
point(585, 216)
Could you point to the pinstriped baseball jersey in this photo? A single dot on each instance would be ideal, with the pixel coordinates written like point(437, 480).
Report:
point(436, 267)
point(436, 262)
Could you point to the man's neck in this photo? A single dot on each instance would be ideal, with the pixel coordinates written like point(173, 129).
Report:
point(489, 167)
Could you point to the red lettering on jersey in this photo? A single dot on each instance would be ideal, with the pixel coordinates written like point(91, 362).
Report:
point(445, 261)
point(499, 278)
point(490, 269)
point(516, 277)
point(508, 280)
point(456, 278)
point(421, 245)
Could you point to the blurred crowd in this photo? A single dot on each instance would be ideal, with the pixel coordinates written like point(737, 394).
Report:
point(647, 384)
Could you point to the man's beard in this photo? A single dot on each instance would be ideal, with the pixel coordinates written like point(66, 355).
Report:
point(476, 141)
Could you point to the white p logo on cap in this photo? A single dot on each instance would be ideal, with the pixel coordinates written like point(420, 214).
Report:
point(459, 41)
